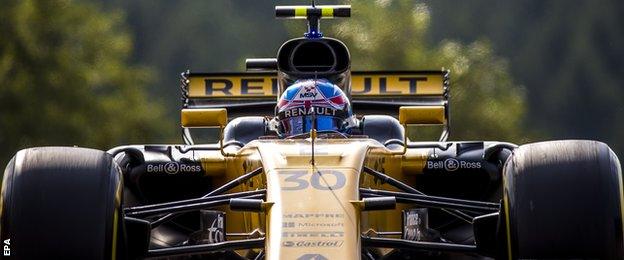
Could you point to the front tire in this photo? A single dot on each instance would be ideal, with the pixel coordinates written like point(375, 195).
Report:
point(61, 203)
point(563, 199)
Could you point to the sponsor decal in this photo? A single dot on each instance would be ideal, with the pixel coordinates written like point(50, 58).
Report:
point(412, 224)
point(232, 86)
point(308, 93)
point(313, 234)
point(215, 231)
point(303, 111)
point(314, 215)
point(306, 243)
point(310, 225)
point(317, 225)
point(173, 168)
point(288, 224)
point(452, 164)
point(312, 257)
point(366, 84)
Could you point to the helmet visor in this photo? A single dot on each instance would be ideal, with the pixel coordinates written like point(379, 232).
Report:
point(303, 124)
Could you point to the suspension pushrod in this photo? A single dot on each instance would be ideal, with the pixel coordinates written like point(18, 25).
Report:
point(440, 205)
point(409, 244)
point(225, 187)
point(140, 209)
point(404, 187)
point(188, 207)
point(207, 248)
point(434, 201)
point(235, 182)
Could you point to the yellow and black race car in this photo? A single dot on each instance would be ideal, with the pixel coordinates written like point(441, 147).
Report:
point(314, 163)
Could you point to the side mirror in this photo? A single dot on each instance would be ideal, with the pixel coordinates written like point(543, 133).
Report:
point(422, 115)
point(203, 117)
point(425, 115)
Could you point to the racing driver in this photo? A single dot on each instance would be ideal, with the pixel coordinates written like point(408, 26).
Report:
point(313, 103)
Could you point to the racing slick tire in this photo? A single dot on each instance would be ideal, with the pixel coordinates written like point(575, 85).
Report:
point(563, 199)
point(61, 203)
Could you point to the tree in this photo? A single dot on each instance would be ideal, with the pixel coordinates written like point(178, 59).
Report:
point(201, 36)
point(391, 34)
point(65, 79)
point(568, 54)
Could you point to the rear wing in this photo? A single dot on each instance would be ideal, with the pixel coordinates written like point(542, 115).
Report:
point(372, 92)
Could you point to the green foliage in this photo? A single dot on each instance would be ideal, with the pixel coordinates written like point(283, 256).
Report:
point(569, 55)
point(65, 79)
point(201, 36)
point(391, 35)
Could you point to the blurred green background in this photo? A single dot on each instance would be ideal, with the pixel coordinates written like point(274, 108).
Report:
point(101, 73)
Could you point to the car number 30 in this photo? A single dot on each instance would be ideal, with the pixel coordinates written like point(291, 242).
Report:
point(320, 180)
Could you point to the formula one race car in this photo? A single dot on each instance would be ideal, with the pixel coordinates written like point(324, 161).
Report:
point(296, 174)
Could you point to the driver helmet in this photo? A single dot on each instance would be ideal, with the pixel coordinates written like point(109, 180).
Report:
point(314, 103)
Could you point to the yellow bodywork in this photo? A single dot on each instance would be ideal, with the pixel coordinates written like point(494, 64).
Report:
point(422, 115)
point(198, 117)
point(312, 211)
